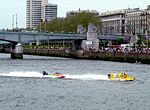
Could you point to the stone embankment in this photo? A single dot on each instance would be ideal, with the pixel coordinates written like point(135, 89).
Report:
point(132, 57)
point(106, 56)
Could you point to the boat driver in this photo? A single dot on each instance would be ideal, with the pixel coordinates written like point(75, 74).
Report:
point(125, 75)
point(45, 73)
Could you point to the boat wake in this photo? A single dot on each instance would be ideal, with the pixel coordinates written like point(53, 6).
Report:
point(87, 77)
point(34, 74)
point(22, 74)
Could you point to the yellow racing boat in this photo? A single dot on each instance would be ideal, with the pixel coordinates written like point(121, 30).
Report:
point(121, 77)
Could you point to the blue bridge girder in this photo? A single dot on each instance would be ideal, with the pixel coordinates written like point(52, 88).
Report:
point(25, 37)
point(8, 41)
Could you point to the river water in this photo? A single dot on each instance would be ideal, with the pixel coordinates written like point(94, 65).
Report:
point(86, 86)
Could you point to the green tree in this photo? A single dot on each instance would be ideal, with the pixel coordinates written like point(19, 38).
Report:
point(70, 24)
point(120, 41)
point(139, 41)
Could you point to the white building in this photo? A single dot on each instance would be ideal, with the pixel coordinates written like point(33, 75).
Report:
point(113, 22)
point(126, 21)
point(49, 12)
point(37, 10)
point(138, 22)
point(33, 13)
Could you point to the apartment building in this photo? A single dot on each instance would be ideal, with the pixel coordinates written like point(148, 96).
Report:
point(50, 12)
point(126, 21)
point(113, 22)
point(36, 10)
point(33, 13)
point(138, 22)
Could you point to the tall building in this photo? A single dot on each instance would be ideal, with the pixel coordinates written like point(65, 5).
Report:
point(33, 12)
point(37, 10)
point(49, 12)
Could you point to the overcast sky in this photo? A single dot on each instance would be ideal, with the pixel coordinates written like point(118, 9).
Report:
point(10, 7)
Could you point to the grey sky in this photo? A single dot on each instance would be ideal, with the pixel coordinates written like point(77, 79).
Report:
point(10, 7)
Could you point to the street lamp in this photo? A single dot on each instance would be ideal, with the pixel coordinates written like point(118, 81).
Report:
point(41, 25)
point(147, 37)
point(45, 23)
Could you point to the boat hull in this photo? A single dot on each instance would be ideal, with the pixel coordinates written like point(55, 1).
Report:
point(54, 75)
point(60, 76)
point(120, 77)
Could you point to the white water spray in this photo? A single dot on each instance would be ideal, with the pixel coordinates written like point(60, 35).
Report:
point(67, 76)
point(87, 77)
point(22, 74)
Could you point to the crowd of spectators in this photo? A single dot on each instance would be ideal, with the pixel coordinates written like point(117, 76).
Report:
point(120, 49)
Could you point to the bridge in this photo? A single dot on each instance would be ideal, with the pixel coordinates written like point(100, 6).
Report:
point(18, 38)
point(24, 37)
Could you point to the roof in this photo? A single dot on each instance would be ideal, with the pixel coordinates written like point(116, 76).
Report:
point(4, 42)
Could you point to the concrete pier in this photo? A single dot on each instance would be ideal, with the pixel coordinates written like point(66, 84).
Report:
point(92, 41)
point(16, 51)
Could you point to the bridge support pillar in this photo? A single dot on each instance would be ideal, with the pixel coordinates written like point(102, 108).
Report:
point(17, 51)
point(73, 45)
point(92, 41)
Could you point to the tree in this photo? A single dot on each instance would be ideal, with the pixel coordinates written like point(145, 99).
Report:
point(70, 24)
point(120, 41)
point(139, 41)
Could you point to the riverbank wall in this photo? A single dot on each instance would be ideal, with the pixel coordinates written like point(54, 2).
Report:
point(132, 57)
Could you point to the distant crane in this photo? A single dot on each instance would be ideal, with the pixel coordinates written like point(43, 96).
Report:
point(13, 22)
point(16, 22)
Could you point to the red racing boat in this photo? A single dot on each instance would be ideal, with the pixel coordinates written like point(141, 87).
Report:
point(54, 75)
